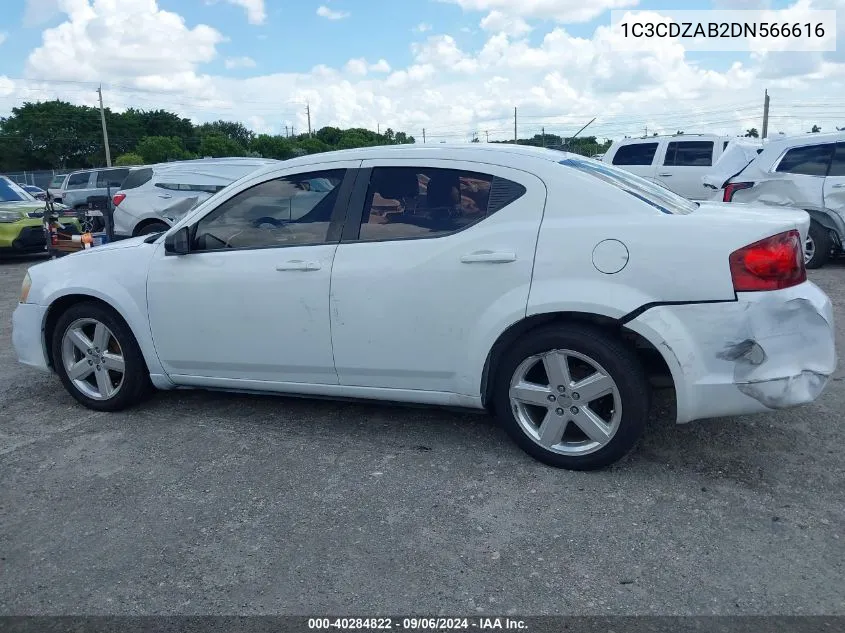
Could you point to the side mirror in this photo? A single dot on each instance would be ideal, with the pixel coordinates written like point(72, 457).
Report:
point(178, 242)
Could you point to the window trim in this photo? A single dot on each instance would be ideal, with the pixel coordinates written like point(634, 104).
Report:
point(774, 168)
point(336, 218)
point(355, 215)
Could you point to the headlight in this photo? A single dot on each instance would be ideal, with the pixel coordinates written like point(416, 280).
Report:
point(9, 216)
point(25, 286)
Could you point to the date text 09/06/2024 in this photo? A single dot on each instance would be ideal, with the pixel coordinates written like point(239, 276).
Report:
point(417, 624)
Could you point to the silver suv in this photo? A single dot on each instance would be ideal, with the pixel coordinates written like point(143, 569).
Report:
point(74, 189)
point(154, 196)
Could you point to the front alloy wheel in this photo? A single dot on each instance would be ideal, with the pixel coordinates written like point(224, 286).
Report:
point(93, 359)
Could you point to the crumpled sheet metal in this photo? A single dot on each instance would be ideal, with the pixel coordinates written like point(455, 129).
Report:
point(782, 352)
point(180, 207)
point(736, 156)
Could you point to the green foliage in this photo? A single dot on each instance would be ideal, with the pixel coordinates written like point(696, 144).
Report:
point(584, 145)
point(160, 149)
point(129, 160)
point(816, 129)
point(752, 133)
point(218, 145)
point(60, 135)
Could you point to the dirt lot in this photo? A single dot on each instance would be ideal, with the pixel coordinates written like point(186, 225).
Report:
point(210, 503)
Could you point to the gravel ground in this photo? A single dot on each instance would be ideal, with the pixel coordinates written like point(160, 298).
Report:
point(221, 504)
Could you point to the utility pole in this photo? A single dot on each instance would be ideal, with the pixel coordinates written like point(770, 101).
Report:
point(515, 141)
point(766, 115)
point(423, 135)
point(105, 131)
point(308, 112)
point(487, 134)
point(544, 136)
point(646, 131)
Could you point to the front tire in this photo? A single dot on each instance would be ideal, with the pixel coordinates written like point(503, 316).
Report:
point(818, 245)
point(98, 359)
point(572, 396)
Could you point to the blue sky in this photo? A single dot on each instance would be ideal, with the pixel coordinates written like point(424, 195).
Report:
point(455, 66)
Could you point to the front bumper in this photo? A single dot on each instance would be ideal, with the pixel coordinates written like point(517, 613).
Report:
point(22, 238)
point(28, 335)
point(765, 351)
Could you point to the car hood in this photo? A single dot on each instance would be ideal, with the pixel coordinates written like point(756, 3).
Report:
point(23, 206)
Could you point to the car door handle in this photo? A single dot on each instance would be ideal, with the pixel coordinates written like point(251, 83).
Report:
point(664, 175)
point(298, 264)
point(839, 186)
point(165, 196)
point(488, 257)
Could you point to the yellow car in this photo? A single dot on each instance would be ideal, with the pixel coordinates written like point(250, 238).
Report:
point(21, 220)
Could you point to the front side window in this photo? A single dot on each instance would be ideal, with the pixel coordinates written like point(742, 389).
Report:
point(689, 154)
point(78, 181)
point(280, 212)
point(810, 160)
point(661, 198)
point(414, 202)
point(635, 154)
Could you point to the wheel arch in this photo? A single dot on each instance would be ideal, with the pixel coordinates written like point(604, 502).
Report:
point(147, 222)
point(653, 359)
point(829, 220)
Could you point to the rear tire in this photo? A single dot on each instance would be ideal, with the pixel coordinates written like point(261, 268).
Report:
point(585, 417)
point(98, 359)
point(819, 238)
point(154, 227)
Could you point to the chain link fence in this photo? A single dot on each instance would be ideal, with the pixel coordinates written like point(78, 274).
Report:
point(39, 178)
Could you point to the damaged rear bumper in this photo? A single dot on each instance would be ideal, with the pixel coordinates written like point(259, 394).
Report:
point(765, 351)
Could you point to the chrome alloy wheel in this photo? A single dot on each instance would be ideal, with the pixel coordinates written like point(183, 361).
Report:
point(809, 249)
point(93, 359)
point(565, 402)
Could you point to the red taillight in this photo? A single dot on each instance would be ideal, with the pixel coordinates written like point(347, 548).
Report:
point(118, 198)
point(732, 187)
point(774, 263)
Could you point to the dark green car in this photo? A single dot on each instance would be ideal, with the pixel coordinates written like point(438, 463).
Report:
point(21, 218)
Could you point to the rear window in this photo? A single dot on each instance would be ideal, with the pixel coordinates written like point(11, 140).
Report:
point(811, 160)
point(635, 154)
point(649, 192)
point(689, 154)
point(137, 177)
point(111, 178)
point(57, 181)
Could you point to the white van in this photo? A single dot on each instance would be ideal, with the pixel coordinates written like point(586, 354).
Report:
point(678, 162)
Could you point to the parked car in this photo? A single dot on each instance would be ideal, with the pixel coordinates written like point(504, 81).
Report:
point(36, 192)
point(733, 160)
point(154, 196)
point(78, 186)
point(678, 162)
point(805, 172)
point(540, 285)
point(21, 217)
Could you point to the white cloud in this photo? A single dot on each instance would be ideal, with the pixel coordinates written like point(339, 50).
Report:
point(422, 27)
point(330, 14)
point(357, 66)
point(240, 62)
point(3, 37)
point(502, 23)
point(560, 10)
point(381, 66)
point(255, 11)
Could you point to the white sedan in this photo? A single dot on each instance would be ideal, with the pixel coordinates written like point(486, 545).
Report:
point(542, 286)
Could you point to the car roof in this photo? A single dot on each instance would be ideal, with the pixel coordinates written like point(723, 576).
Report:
point(783, 142)
point(504, 154)
point(660, 137)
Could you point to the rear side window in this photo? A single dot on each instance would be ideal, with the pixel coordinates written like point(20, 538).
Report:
point(635, 154)
point(137, 177)
point(57, 181)
point(112, 178)
point(414, 202)
point(837, 167)
point(689, 154)
point(659, 197)
point(811, 160)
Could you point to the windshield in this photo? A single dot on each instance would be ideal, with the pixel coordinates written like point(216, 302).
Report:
point(651, 193)
point(10, 192)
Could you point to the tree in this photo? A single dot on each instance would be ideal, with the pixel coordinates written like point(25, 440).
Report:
point(232, 130)
point(129, 160)
point(752, 133)
point(277, 147)
point(160, 149)
point(220, 146)
point(816, 129)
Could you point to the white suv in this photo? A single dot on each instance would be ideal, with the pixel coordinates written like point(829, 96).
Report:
point(678, 162)
point(153, 196)
point(807, 172)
